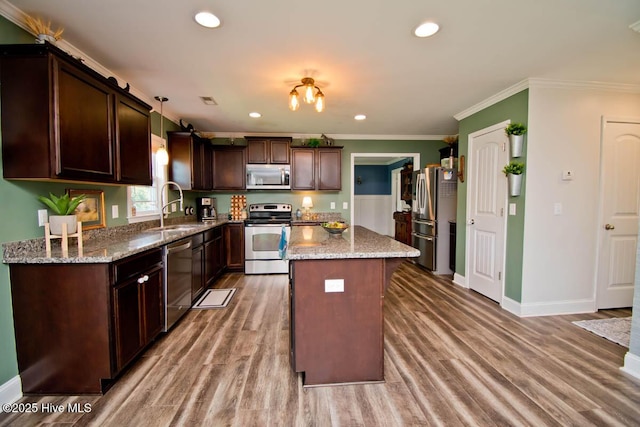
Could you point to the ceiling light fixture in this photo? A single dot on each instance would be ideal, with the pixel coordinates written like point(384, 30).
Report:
point(207, 19)
point(162, 155)
point(360, 117)
point(255, 115)
point(427, 29)
point(308, 85)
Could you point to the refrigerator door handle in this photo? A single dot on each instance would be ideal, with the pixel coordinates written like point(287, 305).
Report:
point(420, 236)
point(420, 221)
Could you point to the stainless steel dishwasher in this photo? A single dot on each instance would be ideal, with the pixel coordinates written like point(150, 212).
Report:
point(177, 281)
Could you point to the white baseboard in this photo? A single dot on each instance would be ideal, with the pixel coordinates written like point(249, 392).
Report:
point(11, 391)
point(460, 280)
point(553, 308)
point(631, 365)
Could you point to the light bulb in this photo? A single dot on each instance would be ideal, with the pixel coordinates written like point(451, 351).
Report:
point(309, 97)
point(162, 156)
point(320, 102)
point(294, 100)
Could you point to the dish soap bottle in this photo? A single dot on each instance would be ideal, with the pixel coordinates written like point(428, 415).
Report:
point(298, 214)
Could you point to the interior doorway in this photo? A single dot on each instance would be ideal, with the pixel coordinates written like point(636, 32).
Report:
point(365, 208)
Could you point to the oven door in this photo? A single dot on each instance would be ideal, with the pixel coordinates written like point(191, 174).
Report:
point(261, 243)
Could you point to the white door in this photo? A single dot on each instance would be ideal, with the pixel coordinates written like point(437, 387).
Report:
point(486, 200)
point(619, 213)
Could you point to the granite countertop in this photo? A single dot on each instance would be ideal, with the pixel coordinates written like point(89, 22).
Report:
point(112, 247)
point(313, 242)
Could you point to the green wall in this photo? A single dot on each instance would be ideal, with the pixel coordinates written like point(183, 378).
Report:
point(514, 108)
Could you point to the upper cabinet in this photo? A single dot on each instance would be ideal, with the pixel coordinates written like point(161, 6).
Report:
point(82, 127)
point(229, 167)
point(262, 150)
point(316, 168)
point(190, 161)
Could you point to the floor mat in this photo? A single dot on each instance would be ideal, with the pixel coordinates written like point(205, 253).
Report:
point(617, 329)
point(215, 298)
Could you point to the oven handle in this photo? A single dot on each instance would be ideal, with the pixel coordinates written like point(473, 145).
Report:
point(267, 225)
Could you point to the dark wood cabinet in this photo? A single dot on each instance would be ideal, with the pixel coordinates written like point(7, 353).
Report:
point(191, 159)
point(83, 127)
point(268, 150)
point(229, 168)
point(406, 185)
point(137, 304)
point(213, 255)
point(197, 266)
point(403, 227)
point(78, 325)
point(316, 168)
point(234, 246)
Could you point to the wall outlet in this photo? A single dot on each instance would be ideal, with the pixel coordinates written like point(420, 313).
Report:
point(345, 205)
point(333, 205)
point(334, 285)
point(114, 211)
point(173, 207)
point(557, 208)
point(42, 217)
point(512, 208)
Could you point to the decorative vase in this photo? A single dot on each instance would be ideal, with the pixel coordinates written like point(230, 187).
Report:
point(56, 221)
point(515, 184)
point(516, 142)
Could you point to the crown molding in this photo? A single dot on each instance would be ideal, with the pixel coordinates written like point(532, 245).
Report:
point(420, 138)
point(540, 83)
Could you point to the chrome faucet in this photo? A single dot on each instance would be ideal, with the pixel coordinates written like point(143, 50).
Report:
point(163, 215)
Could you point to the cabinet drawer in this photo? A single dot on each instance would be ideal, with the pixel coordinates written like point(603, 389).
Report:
point(136, 264)
point(212, 234)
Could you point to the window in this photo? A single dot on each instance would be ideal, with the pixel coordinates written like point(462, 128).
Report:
point(143, 200)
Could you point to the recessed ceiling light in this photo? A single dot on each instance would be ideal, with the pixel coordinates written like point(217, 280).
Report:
point(207, 19)
point(360, 117)
point(427, 29)
point(255, 115)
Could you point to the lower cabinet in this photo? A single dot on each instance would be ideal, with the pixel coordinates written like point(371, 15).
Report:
point(403, 227)
point(234, 246)
point(214, 255)
point(78, 325)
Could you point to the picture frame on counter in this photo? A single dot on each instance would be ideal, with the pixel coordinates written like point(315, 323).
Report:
point(91, 212)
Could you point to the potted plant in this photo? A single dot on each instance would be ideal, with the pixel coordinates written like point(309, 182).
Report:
point(514, 171)
point(63, 207)
point(516, 132)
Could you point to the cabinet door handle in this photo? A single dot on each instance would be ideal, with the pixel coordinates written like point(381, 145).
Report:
point(143, 279)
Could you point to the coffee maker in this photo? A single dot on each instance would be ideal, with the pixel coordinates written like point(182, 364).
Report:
point(206, 208)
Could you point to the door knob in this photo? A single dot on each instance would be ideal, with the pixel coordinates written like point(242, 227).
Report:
point(609, 227)
point(471, 221)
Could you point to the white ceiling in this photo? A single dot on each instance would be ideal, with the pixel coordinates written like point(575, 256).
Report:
point(361, 52)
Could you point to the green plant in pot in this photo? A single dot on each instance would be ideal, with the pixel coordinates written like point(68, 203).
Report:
point(516, 132)
point(63, 208)
point(513, 171)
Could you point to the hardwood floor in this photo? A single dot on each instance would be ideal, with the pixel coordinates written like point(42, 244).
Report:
point(452, 357)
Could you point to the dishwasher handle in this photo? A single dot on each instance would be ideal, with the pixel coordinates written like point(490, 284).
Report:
point(178, 246)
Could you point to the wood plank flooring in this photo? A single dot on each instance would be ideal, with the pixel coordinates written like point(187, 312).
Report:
point(452, 357)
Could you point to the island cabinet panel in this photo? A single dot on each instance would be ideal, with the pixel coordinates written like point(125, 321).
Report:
point(262, 150)
point(337, 335)
point(316, 168)
point(83, 127)
point(229, 166)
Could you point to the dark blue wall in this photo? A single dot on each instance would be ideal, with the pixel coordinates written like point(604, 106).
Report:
point(371, 179)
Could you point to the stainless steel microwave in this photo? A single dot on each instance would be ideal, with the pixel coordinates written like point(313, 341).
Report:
point(268, 177)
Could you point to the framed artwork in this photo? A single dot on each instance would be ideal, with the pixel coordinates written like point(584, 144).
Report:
point(91, 211)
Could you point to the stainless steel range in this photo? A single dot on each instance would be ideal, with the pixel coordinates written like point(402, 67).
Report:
point(263, 231)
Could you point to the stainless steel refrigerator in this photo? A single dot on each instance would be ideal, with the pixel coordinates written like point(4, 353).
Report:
point(434, 204)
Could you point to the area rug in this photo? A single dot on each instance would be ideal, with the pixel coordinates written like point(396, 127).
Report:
point(617, 329)
point(215, 298)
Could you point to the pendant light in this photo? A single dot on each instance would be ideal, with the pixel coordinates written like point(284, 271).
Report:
point(162, 155)
point(309, 97)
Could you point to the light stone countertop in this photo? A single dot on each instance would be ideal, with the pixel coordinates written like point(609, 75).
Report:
point(100, 250)
point(313, 242)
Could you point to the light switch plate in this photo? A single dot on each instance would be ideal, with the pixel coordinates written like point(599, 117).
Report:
point(334, 285)
point(512, 208)
point(345, 205)
point(333, 205)
point(114, 211)
point(557, 208)
point(42, 217)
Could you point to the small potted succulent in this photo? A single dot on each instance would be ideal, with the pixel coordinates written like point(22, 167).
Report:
point(514, 171)
point(63, 207)
point(516, 132)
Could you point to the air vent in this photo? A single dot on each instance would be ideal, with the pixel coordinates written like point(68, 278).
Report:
point(208, 100)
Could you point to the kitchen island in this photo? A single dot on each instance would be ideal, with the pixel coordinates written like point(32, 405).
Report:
point(336, 300)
